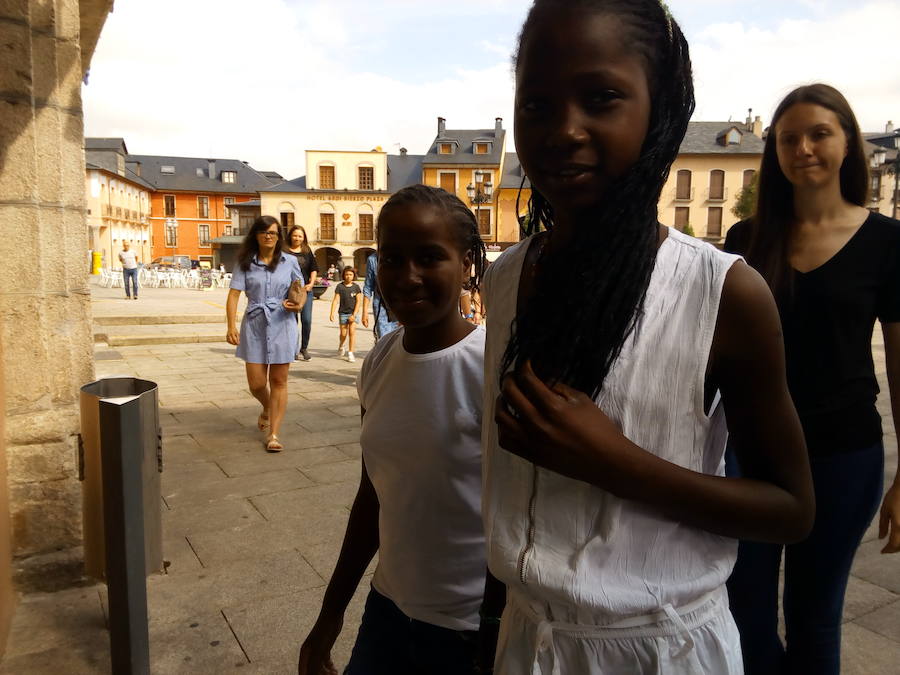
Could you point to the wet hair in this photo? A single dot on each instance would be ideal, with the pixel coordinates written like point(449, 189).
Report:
point(305, 246)
point(250, 246)
point(575, 337)
point(770, 225)
point(458, 215)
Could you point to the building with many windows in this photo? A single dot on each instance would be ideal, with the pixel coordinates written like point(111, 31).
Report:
point(189, 205)
point(715, 162)
point(338, 200)
point(882, 150)
point(118, 202)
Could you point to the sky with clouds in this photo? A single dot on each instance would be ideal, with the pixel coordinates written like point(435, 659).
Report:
point(267, 80)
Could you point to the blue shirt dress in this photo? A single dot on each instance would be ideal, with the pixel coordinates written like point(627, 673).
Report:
point(268, 330)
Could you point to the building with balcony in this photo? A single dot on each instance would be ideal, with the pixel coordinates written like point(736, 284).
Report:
point(715, 162)
point(118, 202)
point(471, 163)
point(338, 201)
point(882, 150)
point(190, 200)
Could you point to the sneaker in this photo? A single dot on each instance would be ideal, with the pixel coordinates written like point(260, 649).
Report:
point(350, 357)
point(305, 355)
point(342, 351)
point(297, 356)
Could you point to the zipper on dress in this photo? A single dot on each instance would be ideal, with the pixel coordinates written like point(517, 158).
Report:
point(529, 542)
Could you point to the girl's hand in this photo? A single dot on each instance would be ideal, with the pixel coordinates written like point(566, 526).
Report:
point(233, 337)
point(308, 287)
point(331, 318)
point(890, 520)
point(291, 306)
point(315, 653)
point(560, 429)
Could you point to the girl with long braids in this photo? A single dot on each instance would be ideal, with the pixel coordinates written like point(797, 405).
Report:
point(834, 269)
point(608, 518)
point(419, 499)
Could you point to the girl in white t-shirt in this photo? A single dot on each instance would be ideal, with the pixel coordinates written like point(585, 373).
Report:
point(608, 517)
point(419, 498)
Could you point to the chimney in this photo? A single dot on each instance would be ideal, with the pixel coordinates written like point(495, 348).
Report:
point(498, 124)
point(212, 168)
point(889, 127)
point(442, 125)
point(749, 122)
point(403, 152)
point(757, 128)
point(137, 168)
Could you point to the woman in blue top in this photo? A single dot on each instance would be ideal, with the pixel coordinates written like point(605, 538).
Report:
point(268, 336)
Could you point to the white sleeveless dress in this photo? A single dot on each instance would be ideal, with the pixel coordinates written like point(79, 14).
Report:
point(597, 584)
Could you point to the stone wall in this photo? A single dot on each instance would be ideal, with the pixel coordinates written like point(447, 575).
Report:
point(44, 298)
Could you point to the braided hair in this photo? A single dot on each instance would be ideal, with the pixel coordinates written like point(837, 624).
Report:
point(575, 338)
point(458, 214)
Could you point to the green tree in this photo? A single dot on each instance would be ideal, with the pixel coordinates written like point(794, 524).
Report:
point(746, 199)
point(688, 230)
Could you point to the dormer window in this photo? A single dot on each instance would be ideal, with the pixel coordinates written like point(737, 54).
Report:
point(482, 148)
point(229, 176)
point(445, 148)
point(733, 137)
point(200, 173)
point(167, 169)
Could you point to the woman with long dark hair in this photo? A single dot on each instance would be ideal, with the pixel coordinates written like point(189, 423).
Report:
point(267, 340)
point(834, 269)
point(607, 515)
point(299, 246)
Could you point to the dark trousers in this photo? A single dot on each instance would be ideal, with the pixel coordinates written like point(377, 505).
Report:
point(130, 274)
point(390, 643)
point(848, 489)
point(305, 315)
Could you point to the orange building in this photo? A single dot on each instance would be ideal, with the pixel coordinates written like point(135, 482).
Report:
point(189, 205)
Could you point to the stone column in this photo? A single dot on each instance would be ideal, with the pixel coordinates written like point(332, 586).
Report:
point(44, 296)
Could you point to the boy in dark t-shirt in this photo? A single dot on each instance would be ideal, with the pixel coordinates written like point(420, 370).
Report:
point(349, 295)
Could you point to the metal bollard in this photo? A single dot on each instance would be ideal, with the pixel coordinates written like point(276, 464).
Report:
point(122, 521)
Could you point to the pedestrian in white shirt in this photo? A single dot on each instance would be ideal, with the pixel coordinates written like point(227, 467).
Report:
point(129, 261)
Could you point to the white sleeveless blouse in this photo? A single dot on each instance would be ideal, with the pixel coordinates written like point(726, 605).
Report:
point(583, 555)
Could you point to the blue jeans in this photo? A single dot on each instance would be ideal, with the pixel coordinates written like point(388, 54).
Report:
point(130, 274)
point(383, 325)
point(306, 321)
point(848, 489)
point(390, 643)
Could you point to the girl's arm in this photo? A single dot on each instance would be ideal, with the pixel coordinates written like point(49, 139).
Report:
point(564, 431)
point(356, 307)
point(313, 275)
point(359, 547)
point(334, 303)
point(889, 522)
point(232, 336)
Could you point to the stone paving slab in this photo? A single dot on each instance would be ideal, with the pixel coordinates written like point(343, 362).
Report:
point(252, 537)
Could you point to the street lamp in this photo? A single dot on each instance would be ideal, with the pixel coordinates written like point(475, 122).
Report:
point(482, 191)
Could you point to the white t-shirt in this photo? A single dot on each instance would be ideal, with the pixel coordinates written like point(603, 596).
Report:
point(128, 259)
point(421, 441)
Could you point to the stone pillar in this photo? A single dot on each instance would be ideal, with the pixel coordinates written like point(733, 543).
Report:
point(44, 296)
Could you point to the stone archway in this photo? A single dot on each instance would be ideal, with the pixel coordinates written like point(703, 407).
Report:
point(325, 257)
point(360, 257)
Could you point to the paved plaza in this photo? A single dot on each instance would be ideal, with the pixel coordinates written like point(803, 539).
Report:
point(250, 537)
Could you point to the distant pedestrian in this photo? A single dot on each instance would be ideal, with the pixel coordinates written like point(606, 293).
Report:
point(418, 505)
point(299, 246)
point(267, 340)
point(385, 322)
point(332, 273)
point(129, 261)
point(834, 269)
point(347, 302)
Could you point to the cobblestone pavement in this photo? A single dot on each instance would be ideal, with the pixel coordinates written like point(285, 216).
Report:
point(252, 537)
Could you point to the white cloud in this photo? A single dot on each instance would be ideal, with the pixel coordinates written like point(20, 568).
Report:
point(738, 65)
point(213, 78)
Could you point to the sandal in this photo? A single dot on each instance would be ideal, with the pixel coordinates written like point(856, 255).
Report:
point(262, 422)
point(273, 444)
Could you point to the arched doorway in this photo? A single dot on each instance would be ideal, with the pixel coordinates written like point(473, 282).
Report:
point(326, 257)
point(360, 256)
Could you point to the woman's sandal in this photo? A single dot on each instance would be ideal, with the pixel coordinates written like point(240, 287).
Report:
point(273, 444)
point(262, 422)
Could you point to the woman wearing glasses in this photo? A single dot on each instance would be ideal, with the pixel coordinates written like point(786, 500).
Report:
point(268, 336)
